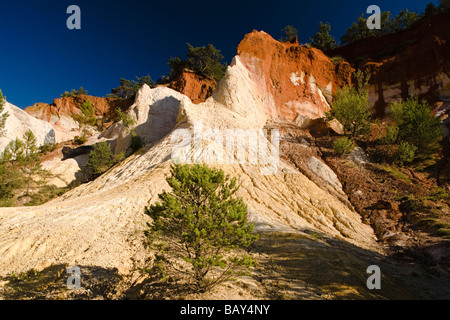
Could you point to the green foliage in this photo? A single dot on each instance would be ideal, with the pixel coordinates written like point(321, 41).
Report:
point(430, 10)
point(101, 158)
point(128, 88)
point(343, 146)
point(323, 40)
point(201, 223)
point(351, 107)
point(405, 152)
point(391, 134)
point(396, 173)
point(20, 170)
point(87, 116)
point(337, 59)
point(177, 66)
point(202, 60)
point(126, 118)
point(136, 142)
point(404, 20)
point(80, 140)
point(74, 92)
point(289, 33)
point(48, 147)
point(438, 194)
point(3, 115)
point(417, 125)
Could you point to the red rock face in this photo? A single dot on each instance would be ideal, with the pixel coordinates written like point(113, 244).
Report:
point(70, 106)
point(194, 86)
point(300, 80)
point(409, 62)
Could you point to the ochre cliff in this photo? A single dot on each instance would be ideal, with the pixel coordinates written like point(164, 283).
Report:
point(197, 87)
point(409, 62)
point(70, 106)
point(300, 80)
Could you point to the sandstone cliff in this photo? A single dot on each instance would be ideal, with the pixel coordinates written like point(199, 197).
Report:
point(19, 122)
point(196, 87)
point(409, 62)
point(62, 112)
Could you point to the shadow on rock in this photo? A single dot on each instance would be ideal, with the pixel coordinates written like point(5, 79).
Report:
point(51, 284)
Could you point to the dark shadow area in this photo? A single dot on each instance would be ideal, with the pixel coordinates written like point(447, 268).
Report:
point(320, 267)
point(150, 287)
point(161, 120)
point(51, 284)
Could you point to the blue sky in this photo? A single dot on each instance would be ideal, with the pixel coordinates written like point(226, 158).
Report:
point(40, 58)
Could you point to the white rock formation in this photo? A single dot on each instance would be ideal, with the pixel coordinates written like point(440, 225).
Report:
point(19, 122)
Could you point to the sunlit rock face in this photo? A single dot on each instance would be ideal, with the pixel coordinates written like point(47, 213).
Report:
point(19, 122)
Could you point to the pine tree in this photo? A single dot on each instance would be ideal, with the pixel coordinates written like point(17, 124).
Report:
point(351, 107)
point(202, 223)
point(417, 125)
point(323, 40)
point(86, 117)
point(30, 162)
point(101, 158)
point(289, 33)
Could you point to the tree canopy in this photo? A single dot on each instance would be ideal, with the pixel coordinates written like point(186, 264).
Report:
point(404, 20)
point(323, 40)
point(289, 33)
point(74, 92)
point(128, 88)
point(201, 222)
point(205, 60)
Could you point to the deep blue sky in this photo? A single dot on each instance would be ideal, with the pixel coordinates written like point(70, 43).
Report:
point(40, 58)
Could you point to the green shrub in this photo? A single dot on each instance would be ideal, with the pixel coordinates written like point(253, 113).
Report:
point(342, 146)
point(126, 118)
point(390, 135)
point(289, 33)
point(136, 142)
point(417, 125)
point(438, 194)
point(80, 140)
point(395, 172)
point(87, 116)
point(323, 40)
point(405, 152)
point(351, 107)
point(101, 158)
point(202, 60)
point(337, 59)
point(74, 92)
point(47, 147)
point(128, 88)
point(202, 224)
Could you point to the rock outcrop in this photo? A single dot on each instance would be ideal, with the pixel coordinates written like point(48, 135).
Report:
point(62, 112)
point(19, 122)
point(196, 87)
point(297, 82)
point(409, 62)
